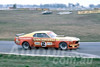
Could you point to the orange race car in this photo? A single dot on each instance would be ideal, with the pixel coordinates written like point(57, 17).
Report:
point(46, 39)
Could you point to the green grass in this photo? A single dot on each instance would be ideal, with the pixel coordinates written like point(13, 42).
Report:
point(36, 61)
point(86, 27)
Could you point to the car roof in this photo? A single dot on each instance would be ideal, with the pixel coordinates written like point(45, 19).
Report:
point(41, 31)
point(31, 34)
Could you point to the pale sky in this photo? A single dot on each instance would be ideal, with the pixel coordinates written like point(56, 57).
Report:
point(82, 2)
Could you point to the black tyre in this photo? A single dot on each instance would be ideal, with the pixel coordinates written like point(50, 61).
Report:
point(63, 46)
point(26, 46)
point(46, 48)
point(56, 48)
point(37, 47)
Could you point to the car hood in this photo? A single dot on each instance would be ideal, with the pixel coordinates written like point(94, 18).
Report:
point(67, 38)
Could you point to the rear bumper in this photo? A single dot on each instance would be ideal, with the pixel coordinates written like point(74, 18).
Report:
point(18, 43)
point(16, 40)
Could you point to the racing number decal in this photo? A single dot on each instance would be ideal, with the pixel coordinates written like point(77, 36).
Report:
point(43, 44)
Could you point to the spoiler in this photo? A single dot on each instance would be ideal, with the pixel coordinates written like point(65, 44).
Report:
point(20, 34)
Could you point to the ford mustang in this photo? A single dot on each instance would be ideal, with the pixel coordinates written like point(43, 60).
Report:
point(46, 39)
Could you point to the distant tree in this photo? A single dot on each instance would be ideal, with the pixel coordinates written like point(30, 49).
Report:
point(53, 6)
point(98, 6)
point(91, 5)
point(14, 6)
point(1, 5)
point(77, 4)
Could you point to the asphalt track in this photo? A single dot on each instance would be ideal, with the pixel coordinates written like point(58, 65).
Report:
point(86, 49)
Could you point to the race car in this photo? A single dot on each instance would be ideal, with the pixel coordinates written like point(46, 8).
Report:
point(46, 39)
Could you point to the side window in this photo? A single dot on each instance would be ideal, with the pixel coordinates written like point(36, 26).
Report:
point(41, 35)
point(45, 35)
point(35, 35)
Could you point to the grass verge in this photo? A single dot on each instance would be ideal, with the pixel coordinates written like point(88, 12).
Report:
point(36, 61)
point(86, 27)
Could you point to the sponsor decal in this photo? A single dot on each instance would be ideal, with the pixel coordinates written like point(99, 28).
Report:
point(37, 43)
point(25, 38)
point(44, 39)
point(57, 40)
point(36, 39)
point(43, 44)
point(49, 43)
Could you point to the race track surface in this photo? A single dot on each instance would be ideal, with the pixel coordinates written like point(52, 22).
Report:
point(86, 49)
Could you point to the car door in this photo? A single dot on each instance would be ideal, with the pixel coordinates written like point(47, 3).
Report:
point(43, 40)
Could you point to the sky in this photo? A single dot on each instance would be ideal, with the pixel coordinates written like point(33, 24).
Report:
point(82, 2)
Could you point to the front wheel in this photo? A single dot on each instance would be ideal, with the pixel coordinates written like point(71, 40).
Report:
point(63, 46)
point(26, 46)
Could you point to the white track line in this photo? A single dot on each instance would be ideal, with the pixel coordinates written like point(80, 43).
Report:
point(82, 55)
point(88, 55)
point(33, 54)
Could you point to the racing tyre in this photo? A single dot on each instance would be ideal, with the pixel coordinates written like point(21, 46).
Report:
point(26, 46)
point(46, 48)
point(63, 46)
point(37, 47)
point(56, 48)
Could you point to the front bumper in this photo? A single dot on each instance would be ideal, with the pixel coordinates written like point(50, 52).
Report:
point(73, 46)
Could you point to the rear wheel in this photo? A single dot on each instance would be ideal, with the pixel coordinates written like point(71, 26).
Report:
point(26, 46)
point(56, 48)
point(63, 46)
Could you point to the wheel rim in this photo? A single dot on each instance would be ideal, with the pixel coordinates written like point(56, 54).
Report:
point(25, 45)
point(63, 46)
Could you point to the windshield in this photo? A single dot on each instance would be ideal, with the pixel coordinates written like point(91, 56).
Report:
point(52, 34)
